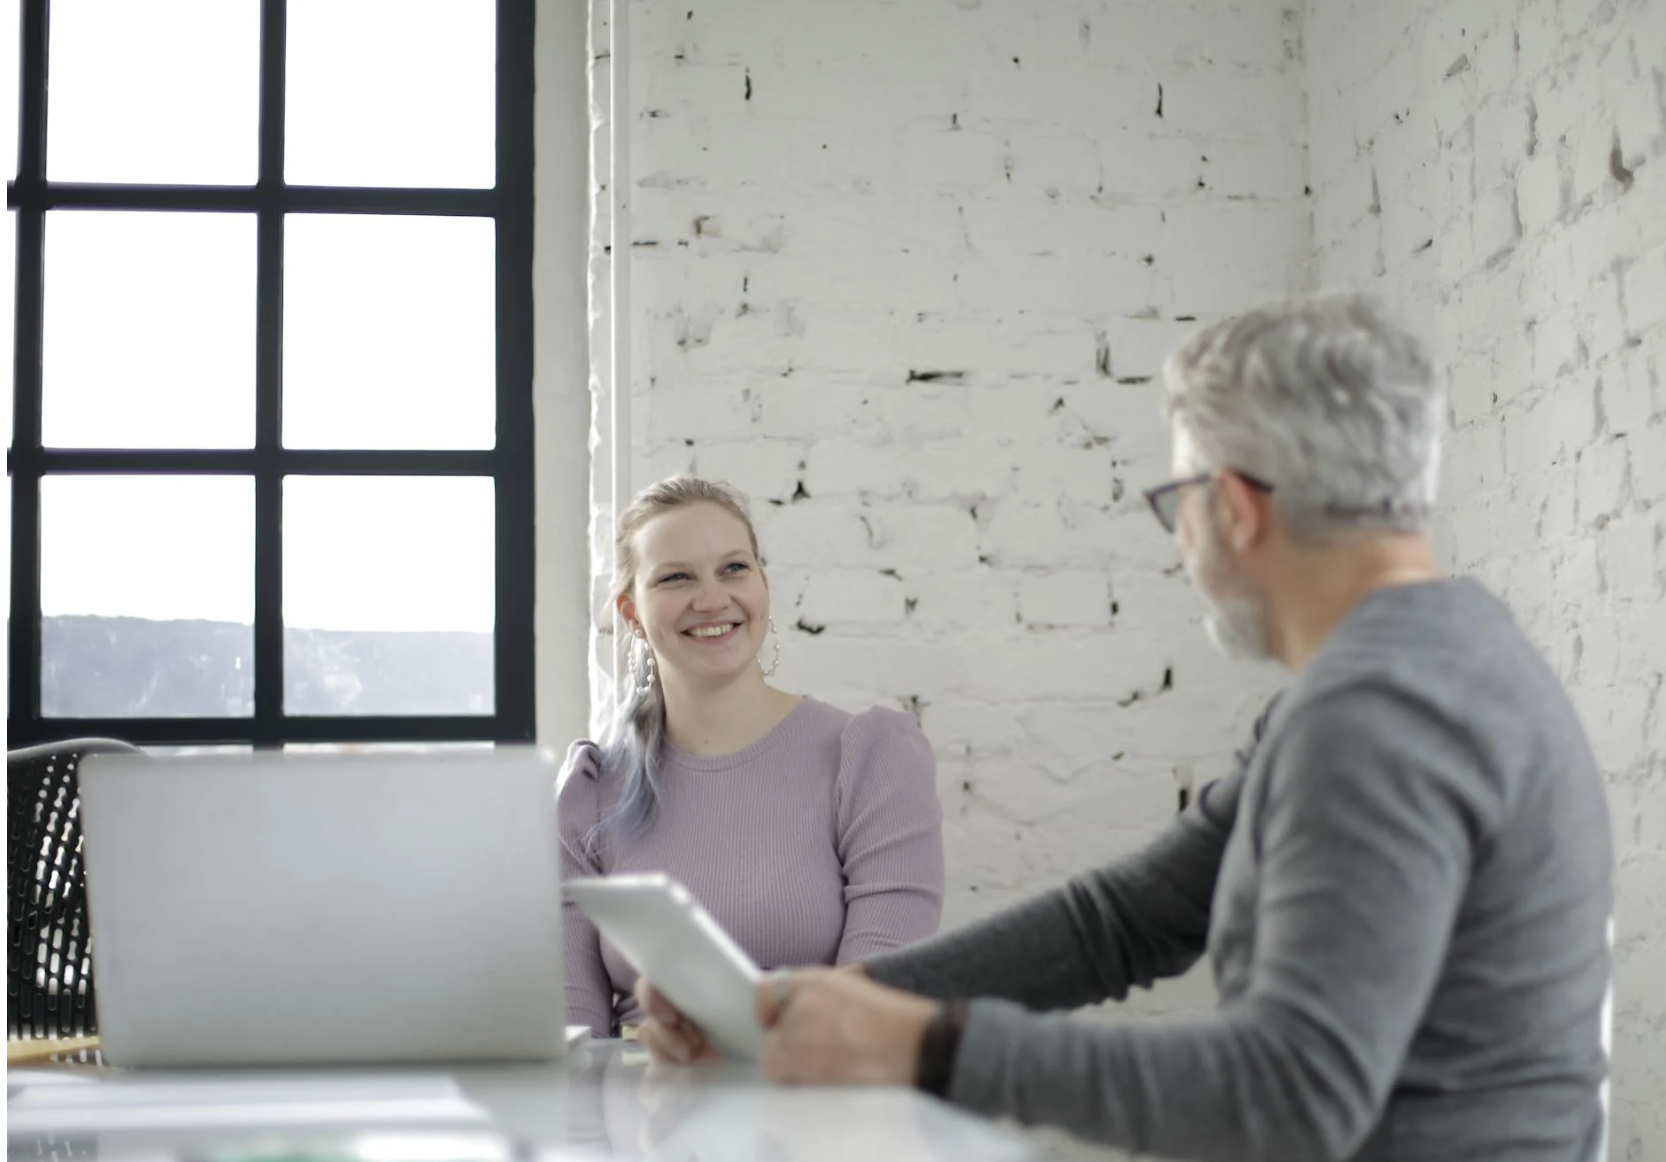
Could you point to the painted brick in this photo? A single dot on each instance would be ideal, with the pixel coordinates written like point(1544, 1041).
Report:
point(1555, 346)
point(1591, 150)
point(1203, 100)
point(1641, 118)
point(1512, 363)
point(1648, 464)
point(1471, 389)
point(1502, 134)
point(763, 469)
point(1275, 171)
point(1331, 145)
point(1645, 292)
point(1538, 36)
point(1138, 346)
point(915, 534)
point(810, 535)
point(1078, 474)
point(1345, 202)
point(848, 468)
point(1602, 479)
point(1473, 463)
point(960, 598)
point(851, 595)
point(1539, 191)
point(1494, 225)
point(1041, 535)
point(1627, 549)
point(1409, 227)
point(1072, 598)
point(1554, 498)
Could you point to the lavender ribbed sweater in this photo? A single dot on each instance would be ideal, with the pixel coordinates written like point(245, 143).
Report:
point(821, 843)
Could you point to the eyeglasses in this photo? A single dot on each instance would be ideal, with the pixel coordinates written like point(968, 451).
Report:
point(1165, 498)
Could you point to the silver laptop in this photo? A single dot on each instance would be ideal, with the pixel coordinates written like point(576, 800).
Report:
point(288, 909)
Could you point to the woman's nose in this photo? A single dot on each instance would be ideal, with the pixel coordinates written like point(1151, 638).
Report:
point(708, 595)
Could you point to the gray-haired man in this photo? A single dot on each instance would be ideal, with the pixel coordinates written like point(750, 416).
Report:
point(1403, 894)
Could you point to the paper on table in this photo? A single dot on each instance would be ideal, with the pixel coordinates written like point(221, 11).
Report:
point(24, 1077)
point(239, 1103)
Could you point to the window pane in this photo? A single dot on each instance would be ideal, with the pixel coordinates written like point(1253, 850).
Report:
point(391, 93)
point(147, 596)
point(388, 599)
point(10, 28)
point(389, 336)
point(163, 91)
point(149, 330)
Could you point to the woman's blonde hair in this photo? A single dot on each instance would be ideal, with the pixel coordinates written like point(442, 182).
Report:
point(634, 746)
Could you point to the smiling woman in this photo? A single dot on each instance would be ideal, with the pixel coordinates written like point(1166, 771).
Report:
point(812, 835)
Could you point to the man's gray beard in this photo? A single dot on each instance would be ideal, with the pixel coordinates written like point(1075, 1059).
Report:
point(1238, 627)
point(1235, 618)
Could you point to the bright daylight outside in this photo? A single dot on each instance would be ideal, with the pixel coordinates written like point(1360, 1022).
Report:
point(147, 581)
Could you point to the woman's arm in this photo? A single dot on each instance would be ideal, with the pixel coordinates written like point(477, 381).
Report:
point(890, 834)
point(578, 796)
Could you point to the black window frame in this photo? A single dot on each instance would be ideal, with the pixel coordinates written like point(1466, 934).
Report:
point(509, 463)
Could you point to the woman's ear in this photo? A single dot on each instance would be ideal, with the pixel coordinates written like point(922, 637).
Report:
point(627, 613)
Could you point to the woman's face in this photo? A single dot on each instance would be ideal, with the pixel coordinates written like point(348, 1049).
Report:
point(700, 594)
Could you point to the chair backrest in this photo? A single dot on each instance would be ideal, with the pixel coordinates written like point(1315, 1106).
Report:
point(49, 967)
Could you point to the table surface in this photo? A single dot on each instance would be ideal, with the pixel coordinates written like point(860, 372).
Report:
point(604, 1101)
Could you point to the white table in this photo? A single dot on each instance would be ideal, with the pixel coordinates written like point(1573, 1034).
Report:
point(605, 1101)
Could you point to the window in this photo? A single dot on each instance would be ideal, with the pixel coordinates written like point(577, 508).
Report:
point(270, 457)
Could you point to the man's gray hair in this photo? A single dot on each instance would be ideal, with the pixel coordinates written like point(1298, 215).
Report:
point(1325, 398)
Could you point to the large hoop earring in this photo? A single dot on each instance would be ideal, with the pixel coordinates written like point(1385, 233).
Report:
point(643, 678)
point(775, 658)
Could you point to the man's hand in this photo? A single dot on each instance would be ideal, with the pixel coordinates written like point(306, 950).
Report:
point(667, 1035)
point(837, 1027)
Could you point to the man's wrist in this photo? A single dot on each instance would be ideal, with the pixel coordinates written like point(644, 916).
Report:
point(939, 1046)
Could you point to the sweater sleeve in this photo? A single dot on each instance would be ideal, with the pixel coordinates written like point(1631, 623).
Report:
point(1132, 922)
point(890, 834)
point(589, 992)
point(1365, 839)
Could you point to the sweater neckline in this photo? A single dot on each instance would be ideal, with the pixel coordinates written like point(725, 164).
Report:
point(781, 732)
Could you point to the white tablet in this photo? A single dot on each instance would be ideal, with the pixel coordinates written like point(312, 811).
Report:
point(660, 927)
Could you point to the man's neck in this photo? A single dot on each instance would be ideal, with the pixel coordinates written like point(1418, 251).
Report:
point(715, 720)
point(1317, 586)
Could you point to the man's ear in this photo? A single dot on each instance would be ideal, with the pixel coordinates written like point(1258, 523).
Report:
point(1243, 510)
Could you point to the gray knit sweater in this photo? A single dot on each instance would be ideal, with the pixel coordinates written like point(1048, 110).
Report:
point(1403, 894)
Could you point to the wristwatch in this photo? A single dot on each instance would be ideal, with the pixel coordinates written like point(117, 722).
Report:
point(938, 1048)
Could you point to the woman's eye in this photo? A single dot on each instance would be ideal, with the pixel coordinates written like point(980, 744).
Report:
point(737, 566)
point(673, 577)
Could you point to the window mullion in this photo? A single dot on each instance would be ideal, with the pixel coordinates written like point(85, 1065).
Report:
point(25, 636)
point(268, 635)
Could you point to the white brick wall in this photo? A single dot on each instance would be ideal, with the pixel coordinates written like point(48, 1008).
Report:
point(905, 272)
point(1527, 140)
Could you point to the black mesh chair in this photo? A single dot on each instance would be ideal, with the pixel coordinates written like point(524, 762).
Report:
point(49, 967)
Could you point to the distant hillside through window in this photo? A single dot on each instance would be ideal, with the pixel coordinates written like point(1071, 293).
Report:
point(129, 667)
